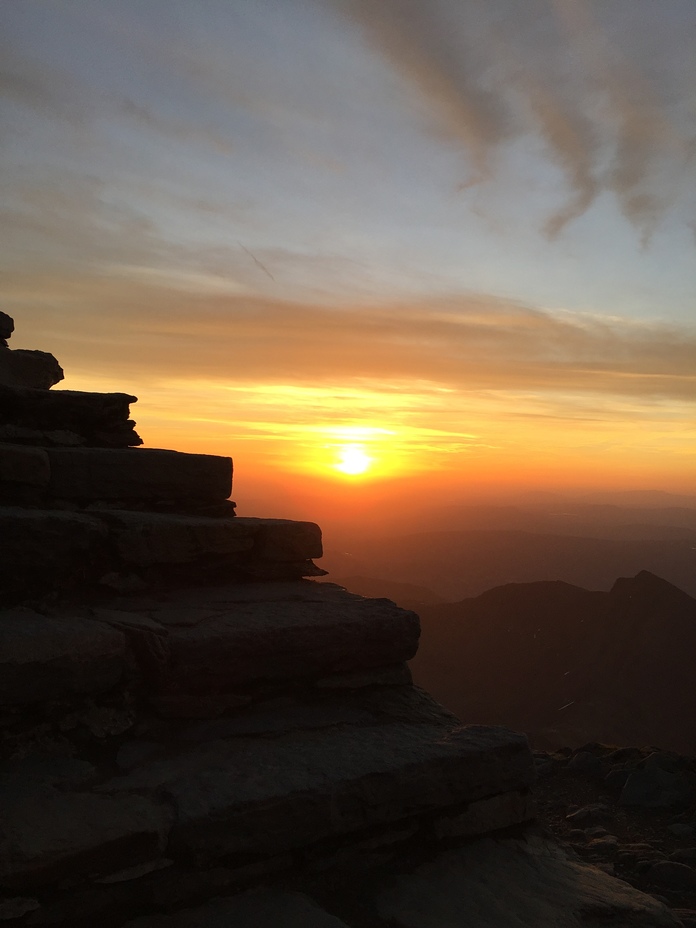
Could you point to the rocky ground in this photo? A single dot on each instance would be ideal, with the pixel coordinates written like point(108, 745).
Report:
point(629, 811)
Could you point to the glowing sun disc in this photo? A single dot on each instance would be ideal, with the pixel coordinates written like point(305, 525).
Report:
point(353, 460)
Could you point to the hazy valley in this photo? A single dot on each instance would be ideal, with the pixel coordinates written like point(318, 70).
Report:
point(526, 623)
point(463, 550)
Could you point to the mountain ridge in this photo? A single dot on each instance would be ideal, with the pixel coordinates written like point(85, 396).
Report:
point(566, 664)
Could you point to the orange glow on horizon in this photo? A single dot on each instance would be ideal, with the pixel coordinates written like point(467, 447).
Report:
point(347, 443)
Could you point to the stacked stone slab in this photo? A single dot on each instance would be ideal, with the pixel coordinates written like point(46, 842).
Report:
point(194, 734)
point(83, 509)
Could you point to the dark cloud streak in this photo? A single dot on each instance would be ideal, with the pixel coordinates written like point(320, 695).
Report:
point(565, 77)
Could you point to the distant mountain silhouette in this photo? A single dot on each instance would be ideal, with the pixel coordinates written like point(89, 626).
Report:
point(455, 564)
point(566, 664)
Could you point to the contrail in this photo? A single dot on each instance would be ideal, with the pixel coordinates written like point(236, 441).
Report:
point(256, 261)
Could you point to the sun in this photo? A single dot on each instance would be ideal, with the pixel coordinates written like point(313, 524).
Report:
point(353, 460)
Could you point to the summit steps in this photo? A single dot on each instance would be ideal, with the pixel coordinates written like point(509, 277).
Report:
point(160, 742)
point(194, 735)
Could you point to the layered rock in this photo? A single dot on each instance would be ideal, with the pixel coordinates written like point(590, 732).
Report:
point(6, 328)
point(65, 417)
point(21, 368)
point(185, 718)
point(170, 746)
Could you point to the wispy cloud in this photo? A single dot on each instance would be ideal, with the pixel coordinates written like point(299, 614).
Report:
point(471, 342)
point(602, 118)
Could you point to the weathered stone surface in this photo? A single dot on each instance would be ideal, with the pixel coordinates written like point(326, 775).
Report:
point(395, 675)
point(672, 874)
point(487, 815)
point(37, 370)
point(657, 783)
point(329, 631)
point(263, 796)
point(144, 539)
point(285, 540)
point(46, 835)
point(278, 716)
point(124, 473)
point(44, 657)
point(58, 770)
point(11, 909)
point(15, 434)
point(263, 909)
point(42, 551)
point(6, 326)
point(94, 419)
point(530, 884)
point(134, 873)
point(19, 464)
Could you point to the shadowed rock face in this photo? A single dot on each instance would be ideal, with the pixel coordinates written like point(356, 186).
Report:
point(36, 369)
point(21, 368)
point(82, 553)
point(66, 417)
point(6, 328)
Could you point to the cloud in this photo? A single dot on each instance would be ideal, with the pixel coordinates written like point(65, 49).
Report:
point(417, 40)
point(650, 153)
point(145, 329)
point(493, 72)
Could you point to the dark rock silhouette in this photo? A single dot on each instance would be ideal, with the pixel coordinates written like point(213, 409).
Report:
point(6, 328)
point(21, 368)
point(66, 418)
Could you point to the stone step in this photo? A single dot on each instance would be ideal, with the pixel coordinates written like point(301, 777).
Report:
point(269, 908)
point(232, 638)
point(526, 883)
point(137, 473)
point(273, 780)
point(142, 478)
point(47, 550)
point(192, 649)
point(247, 796)
point(45, 658)
point(63, 417)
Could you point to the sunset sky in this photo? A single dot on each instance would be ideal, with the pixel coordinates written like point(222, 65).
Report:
point(446, 243)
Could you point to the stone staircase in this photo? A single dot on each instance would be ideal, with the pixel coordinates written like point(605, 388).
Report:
point(194, 733)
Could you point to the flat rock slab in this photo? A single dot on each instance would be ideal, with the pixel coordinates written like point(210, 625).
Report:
point(267, 795)
point(264, 909)
point(251, 637)
point(144, 539)
point(528, 884)
point(67, 416)
point(47, 835)
point(47, 550)
point(44, 657)
point(24, 465)
point(138, 473)
point(29, 369)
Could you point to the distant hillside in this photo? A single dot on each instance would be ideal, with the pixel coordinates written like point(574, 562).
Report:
point(457, 564)
point(568, 665)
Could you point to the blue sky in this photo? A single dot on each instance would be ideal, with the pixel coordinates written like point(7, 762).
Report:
point(496, 196)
